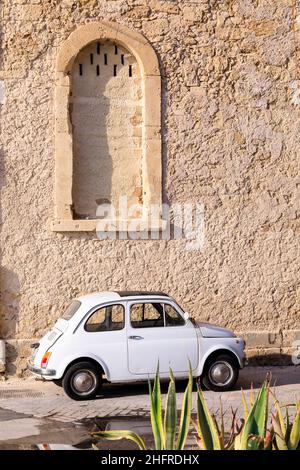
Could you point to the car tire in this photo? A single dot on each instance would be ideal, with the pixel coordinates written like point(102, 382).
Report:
point(82, 381)
point(220, 373)
point(57, 382)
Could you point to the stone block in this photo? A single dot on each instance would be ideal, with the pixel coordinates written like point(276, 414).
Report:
point(155, 28)
point(164, 6)
point(289, 337)
point(263, 28)
point(262, 339)
point(139, 12)
point(152, 91)
point(32, 12)
point(17, 355)
point(192, 12)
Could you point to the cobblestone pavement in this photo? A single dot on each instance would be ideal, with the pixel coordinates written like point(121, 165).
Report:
point(39, 399)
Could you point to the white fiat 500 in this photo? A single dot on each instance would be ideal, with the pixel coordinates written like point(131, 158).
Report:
point(121, 336)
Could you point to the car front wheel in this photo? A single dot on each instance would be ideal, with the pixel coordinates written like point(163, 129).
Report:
point(220, 373)
point(82, 381)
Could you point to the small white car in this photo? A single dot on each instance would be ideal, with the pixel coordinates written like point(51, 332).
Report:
point(121, 336)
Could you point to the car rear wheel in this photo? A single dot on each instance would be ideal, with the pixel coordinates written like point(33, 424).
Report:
point(220, 373)
point(57, 382)
point(82, 381)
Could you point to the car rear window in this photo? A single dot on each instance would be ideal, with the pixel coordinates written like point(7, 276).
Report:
point(109, 318)
point(71, 310)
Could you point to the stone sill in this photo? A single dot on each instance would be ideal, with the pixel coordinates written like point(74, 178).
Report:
point(91, 225)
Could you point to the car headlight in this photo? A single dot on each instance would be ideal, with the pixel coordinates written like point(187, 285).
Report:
point(242, 342)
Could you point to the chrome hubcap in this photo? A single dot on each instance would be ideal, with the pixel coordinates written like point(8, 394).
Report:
point(84, 382)
point(220, 373)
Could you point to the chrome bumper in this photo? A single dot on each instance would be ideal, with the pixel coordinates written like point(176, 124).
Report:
point(40, 371)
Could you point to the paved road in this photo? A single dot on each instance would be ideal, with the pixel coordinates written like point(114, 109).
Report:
point(28, 406)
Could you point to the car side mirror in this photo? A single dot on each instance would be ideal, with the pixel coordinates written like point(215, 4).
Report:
point(186, 316)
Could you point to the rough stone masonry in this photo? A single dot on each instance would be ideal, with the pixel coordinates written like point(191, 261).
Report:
point(230, 133)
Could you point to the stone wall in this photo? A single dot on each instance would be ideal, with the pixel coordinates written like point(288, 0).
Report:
point(230, 129)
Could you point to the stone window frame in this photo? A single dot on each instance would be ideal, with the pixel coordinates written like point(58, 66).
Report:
point(151, 147)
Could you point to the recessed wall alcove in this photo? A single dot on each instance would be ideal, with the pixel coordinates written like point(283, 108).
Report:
point(107, 127)
point(106, 117)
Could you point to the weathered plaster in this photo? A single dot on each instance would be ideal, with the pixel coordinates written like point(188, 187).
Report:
point(230, 128)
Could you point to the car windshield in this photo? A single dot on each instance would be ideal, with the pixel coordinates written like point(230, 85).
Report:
point(71, 310)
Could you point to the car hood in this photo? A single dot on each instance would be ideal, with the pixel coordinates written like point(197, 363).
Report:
point(208, 330)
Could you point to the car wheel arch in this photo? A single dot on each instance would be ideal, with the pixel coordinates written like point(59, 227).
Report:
point(102, 368)
point(216, 352)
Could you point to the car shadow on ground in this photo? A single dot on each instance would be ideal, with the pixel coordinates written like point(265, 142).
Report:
point(249, 376)
point(136, 389)
point(278, 375)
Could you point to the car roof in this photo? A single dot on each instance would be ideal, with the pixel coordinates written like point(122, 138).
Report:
point(110, 296)
point(138, 293)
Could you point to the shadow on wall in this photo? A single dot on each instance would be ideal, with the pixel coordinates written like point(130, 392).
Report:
point(164, 127)
point(9, 315)
point(9, 303)
point(265, 360)
point(9, 283)
point(88, 109)
point(2, 179)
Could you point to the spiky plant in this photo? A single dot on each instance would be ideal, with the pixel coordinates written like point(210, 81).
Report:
point(286, 433)
point(166, 436)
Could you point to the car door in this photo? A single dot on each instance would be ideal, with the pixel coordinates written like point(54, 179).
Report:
point(158, 332)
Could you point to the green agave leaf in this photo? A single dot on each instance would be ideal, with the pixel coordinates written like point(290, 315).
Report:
point(245, 404)
point(158, 403)
point(252, 395)
point(294, 438)
point(279, 436)
point(117, 435)
point(221, 433)
point(256, 421)
point(207, 429)
point(170, 415)
point(237, 442)
point(280, 416)
point(185, 415)
point(154, 422)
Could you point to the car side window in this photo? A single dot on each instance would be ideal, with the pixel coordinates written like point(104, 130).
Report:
point(173, 318)
point(146, 315)
point(109, 318)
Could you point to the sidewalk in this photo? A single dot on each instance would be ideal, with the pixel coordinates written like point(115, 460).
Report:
point(39, 399)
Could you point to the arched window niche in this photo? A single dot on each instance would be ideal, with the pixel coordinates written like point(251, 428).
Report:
point(107, 130)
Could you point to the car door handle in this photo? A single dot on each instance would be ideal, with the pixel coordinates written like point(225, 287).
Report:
point(136, 337)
